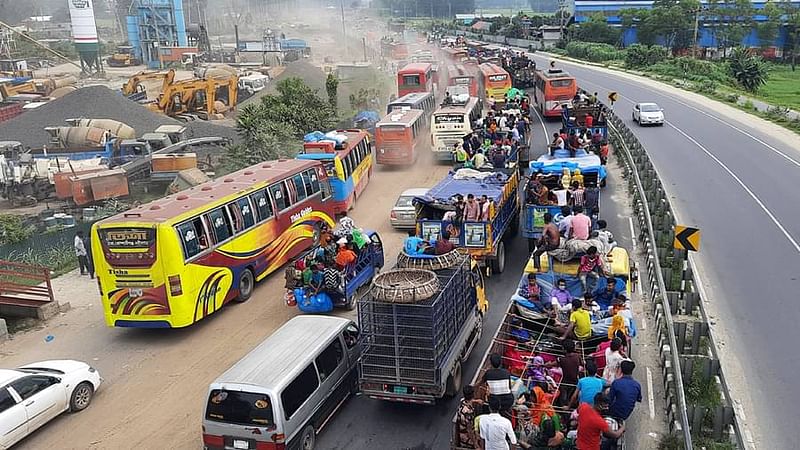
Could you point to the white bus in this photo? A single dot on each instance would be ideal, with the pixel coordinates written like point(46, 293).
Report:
point(450, 124)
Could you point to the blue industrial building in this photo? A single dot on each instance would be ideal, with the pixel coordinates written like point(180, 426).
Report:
point(155, 26)
point(584, 9)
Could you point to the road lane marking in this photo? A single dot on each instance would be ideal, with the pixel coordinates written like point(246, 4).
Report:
point(743, 185)
point(650, 398)
point(541, 122)
point(730, 172)
point(623, 80)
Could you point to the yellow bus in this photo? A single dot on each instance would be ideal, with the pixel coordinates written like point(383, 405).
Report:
point(176, 260)
point(495, 82)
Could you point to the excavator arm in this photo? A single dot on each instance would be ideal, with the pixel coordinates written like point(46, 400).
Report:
point(134, 83)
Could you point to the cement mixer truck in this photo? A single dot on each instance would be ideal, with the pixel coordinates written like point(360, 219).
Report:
point(89, 142)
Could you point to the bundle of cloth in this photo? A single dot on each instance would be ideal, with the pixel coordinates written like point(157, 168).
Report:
point(572, 248)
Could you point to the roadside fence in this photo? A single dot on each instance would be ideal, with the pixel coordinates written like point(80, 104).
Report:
point(689, 355)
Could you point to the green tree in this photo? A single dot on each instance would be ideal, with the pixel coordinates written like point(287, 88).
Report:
point(792, 19)
point(768, 30)
point(332, 88)
point(596, 29)
point(749, 71)
point(13, 229)
point(296, 107)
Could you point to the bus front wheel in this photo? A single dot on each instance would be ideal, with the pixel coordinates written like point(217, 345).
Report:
point(246, 285)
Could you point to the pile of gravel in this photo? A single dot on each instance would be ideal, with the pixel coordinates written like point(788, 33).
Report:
point(95, 102)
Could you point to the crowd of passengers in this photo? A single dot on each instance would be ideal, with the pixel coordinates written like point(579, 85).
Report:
point(496, 137)
point(584, 120)
point(327, 265)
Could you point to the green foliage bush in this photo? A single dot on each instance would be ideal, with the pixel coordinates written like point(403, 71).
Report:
point(13, 229)
point(595, 52)
point(640, 55)
point(749, 71)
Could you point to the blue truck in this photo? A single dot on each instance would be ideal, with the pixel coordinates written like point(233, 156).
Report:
point(483, 239)
point(573, 118)
point(354, 278)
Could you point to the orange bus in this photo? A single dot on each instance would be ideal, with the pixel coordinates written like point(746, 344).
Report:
point(459, 76)
point(415, 77)
point(551, 89)
point(495, 82)
point(174, 261)
point(399, 135)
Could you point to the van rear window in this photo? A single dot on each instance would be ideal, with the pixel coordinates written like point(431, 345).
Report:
point(241, 408)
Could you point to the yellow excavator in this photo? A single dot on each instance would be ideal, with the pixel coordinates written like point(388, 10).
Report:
point(198, 98)
point(134, 84)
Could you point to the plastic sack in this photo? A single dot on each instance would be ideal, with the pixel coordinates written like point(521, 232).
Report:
point(358, 238)
point(320, 303)
point(314, 136)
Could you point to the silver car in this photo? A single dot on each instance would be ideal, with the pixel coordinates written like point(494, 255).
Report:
point(648, 114)
point(403, 214)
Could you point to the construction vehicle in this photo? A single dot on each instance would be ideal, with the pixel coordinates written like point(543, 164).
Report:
point(40, 86)
point(134, 84)
point(198, 98)
point(416, 334)
point(82, 143)
point(125, 56)
point(13, 68)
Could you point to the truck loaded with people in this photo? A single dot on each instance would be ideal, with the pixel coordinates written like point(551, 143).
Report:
point(558, 373)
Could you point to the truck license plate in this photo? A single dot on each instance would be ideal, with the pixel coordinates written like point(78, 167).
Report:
point(240, 444)
point(400, 390)
point(137, 292)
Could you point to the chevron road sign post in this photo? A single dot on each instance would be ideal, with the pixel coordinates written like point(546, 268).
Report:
point(687, 238)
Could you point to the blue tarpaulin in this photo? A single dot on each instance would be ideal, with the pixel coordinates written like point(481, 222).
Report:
point(491, 187)
point(367, 116)
point(588, 163)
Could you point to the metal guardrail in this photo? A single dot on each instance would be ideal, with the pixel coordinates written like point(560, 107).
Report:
point(681, 321)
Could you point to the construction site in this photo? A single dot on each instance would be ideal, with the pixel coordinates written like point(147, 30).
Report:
point(150, 103)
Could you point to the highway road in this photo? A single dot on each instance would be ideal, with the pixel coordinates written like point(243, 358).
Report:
point(737, 180)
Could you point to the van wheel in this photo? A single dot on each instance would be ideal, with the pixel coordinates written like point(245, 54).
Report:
point(246, 285)
point(309, 438)
point(499, 263)
point(453, 382)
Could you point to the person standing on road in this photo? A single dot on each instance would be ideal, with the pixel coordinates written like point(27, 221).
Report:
point(495, 430)
point(80, 252)
point(87, 244)
point(592, 425)
point(625, 392)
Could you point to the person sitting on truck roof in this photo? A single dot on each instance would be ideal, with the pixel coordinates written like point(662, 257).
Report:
point(560, 297)
point(478, 159)
point(472, 211)
point(345, 255)
point(597, 137)
point(498, 382)
point(580, 322)
point(581, 224)
point(550, 240)
point(345, 226)
point(565, 222)
point(605, 295)
point(591, 265)
point(576, 191)
point(316, 282)
point(443, 244)
point(557, 144)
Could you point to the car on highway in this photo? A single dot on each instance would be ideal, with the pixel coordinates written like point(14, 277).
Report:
point(648, 114)
point(404, 213)
point(32, 395)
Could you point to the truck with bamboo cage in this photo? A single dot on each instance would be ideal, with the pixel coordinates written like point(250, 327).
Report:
point(419, 323)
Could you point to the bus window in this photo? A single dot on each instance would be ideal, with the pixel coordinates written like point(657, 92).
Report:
point(193, 237)
point(263, 207)
point(279, 196)
point(310, 181)
point(236, 217)
point(299, 187)
point(411, 80)
point(247, 212)
point(221, 224)
point(326, 189)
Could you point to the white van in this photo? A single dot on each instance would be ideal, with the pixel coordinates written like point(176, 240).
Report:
point(281, 394)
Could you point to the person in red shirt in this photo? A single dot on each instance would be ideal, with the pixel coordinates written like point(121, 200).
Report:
point(443, 244)
point(591, 425)
point(589, 121)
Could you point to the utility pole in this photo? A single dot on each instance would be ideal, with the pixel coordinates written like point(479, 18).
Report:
point(696, 26)
point(344, 31)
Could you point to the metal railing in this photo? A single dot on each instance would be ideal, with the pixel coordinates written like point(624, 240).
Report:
point(687, 348)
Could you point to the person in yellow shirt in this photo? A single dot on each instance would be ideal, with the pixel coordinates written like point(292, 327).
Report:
point(580, 322)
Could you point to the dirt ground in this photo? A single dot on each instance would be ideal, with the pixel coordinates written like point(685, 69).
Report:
point(155, 380)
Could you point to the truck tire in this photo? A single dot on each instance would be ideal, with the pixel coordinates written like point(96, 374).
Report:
point(499, 263)
point(247, 284)
point(453, 386)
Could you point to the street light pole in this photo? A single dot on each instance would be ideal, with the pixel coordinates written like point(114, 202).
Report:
point(344, 31)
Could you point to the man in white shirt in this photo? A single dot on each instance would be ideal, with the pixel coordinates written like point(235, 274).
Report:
point(495, 430)
point(503, 121)
point(80, 252)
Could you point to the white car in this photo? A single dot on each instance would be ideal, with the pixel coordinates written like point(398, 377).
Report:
point(648, 114)
point(34, 394)
point(404, 213)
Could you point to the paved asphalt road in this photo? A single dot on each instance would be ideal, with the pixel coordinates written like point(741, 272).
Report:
point(364, 423)
point(739, 185)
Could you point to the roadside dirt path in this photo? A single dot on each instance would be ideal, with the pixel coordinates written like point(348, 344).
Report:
point(156, 380)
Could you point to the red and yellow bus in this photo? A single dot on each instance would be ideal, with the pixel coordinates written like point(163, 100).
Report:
point(172, 262)
point(399, 136)
point(495, 82)
point(551, 89)
point(460, 76)
point(415, 77)
point(348, 165)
